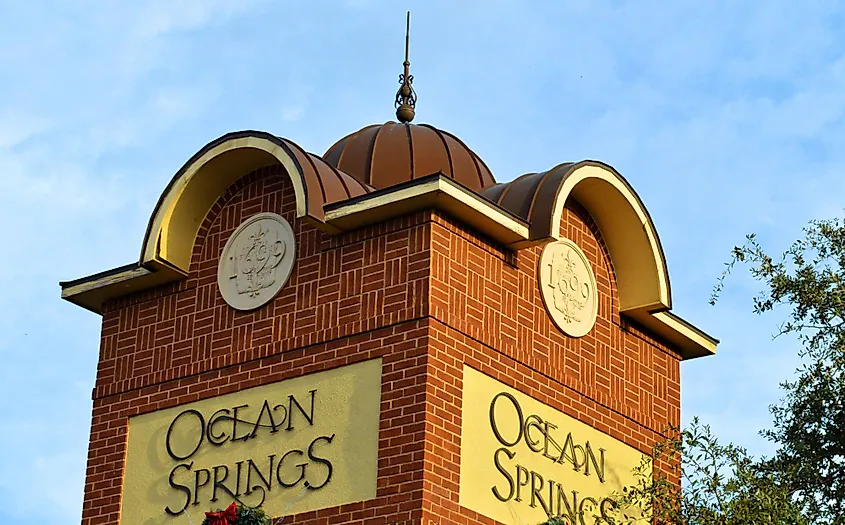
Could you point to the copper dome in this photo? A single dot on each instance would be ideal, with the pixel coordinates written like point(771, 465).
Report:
point(384, 155)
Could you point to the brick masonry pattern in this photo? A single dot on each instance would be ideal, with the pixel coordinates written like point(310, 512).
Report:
point(423, 293)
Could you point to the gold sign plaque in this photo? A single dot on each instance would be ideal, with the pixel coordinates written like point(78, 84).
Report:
point(293, 446)
point(568, 287)
point(523, 461)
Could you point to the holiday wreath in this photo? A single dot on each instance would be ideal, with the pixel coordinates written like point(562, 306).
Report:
point(236, 515)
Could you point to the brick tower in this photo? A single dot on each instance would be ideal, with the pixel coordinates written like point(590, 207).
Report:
point(382, 334)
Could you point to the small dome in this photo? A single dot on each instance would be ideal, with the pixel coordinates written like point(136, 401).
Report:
point(383, 155)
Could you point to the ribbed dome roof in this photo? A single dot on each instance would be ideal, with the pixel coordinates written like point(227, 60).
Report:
point(383, 155)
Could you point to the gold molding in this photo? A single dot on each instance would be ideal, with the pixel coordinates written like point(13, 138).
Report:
point(184, 204)
point(642, 279)
point(439, 192)
point(691, 341)
point(93, 291)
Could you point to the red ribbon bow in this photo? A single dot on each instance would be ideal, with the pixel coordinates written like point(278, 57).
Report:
point(223, 517)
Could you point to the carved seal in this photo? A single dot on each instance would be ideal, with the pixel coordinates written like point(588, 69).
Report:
point(568, 287)
point(256, 261)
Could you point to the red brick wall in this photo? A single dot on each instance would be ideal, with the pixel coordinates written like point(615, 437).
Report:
point(419, 291)
point(488, 313)
point(492, 296)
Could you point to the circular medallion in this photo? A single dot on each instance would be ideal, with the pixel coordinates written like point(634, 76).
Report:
point(568, 287)
point(256, 261)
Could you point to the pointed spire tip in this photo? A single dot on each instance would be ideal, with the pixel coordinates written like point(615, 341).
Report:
point(406, 97)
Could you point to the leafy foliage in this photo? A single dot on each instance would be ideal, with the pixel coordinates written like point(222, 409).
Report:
point(804, 483)
point(809, 422)
point(721, 485)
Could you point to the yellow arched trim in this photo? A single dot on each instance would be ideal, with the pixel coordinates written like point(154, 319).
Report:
point(641, 274)
point(183, 206)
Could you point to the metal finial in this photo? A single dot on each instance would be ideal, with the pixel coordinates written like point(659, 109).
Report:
point(406, 97)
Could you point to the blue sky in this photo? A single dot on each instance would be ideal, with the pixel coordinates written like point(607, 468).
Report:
point(726, 116)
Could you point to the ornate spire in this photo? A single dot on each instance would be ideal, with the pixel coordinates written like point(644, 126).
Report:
point(406, 97)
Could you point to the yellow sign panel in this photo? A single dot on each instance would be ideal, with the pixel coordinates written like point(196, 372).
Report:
point(523, 461)
point(293, 446)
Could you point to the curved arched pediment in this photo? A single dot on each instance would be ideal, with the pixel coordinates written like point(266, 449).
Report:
point(524, 212)
point(641, 273)
point(195, 188)
point(642, 279)
point(539, 198)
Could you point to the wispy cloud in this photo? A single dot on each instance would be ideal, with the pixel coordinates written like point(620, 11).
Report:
point(88, 87)
point(726, 117)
